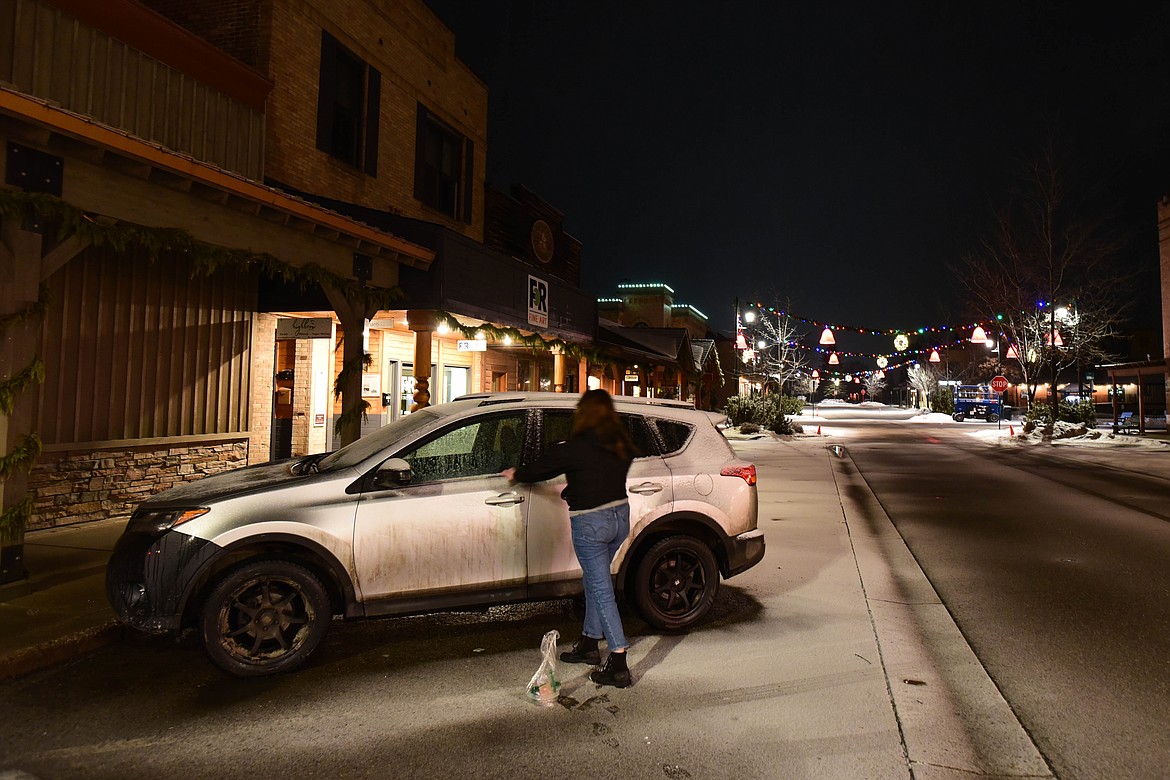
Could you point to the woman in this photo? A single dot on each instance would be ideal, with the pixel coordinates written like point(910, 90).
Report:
point(595, 460)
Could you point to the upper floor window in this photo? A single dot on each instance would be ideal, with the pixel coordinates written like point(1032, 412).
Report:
point(443, 167)
point(348, 103)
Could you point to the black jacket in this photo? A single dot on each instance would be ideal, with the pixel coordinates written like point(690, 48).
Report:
point(596, 475)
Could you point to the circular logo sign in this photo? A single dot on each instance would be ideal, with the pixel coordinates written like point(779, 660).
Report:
point(542, 241)
point(901, 342)
point(999, 384)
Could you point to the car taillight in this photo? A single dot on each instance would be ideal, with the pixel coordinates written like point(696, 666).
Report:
point(746, 473)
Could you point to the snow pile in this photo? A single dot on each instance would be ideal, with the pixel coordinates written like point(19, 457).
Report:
point(1074, 434)
point(1057, 431)
point(932, 417)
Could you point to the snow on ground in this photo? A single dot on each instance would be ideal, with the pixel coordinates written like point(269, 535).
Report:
point(1009, 433)
point(932, 417)
point(1065, 434)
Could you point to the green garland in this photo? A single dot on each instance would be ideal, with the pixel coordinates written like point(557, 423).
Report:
point(361, 408)
point(22, 457)
point(33, 373)
point(15, 518)
point(205, 258)
point(533, 342)
point(34, 311)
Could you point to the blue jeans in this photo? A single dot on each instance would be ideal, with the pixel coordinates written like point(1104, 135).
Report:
point(597, 535)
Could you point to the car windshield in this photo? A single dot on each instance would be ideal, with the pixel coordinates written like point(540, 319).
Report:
point(358, 451)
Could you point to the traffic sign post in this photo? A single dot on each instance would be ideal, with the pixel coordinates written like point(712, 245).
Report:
point(999, 384)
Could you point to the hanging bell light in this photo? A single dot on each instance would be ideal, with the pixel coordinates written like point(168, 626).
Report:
point(979, 335)
point(740, 341)
point(833, 359)
point(934, 358)
point(1011, 353)
point(827, 336)
point(1053, 340)
point(816, 374)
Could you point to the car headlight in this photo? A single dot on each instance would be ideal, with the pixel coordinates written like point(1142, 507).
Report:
point(158, 521)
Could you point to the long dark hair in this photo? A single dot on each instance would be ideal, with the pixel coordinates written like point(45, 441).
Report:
point(595, 413)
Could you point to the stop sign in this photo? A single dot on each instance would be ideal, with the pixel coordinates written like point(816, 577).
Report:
point(999, 384)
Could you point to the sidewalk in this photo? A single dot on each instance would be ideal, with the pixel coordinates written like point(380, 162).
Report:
point(61, 610)
point(874, 670)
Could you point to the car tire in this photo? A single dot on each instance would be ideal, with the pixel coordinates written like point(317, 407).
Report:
point(675, 583)
point(993, 417)
point(957, 417)
point(264, 618)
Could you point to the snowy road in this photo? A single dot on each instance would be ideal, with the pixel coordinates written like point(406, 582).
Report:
point(1052, 560)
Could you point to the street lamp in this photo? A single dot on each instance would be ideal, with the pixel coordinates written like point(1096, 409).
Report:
point(1063, 314)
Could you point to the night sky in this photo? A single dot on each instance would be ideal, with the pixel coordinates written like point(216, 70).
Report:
point(837, 159)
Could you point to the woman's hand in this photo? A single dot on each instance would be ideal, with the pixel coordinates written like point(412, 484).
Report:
point(509, 474)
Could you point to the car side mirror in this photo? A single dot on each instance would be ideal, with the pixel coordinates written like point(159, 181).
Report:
point(394, 472)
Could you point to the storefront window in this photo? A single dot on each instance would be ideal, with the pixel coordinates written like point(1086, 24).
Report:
point(406, 388)
point(455, 382)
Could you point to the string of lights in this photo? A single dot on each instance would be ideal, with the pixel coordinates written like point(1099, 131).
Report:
point(772, 310)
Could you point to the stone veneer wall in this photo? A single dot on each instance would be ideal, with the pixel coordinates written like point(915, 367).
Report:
point(84, 485)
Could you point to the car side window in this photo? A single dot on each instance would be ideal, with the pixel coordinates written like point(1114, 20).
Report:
point(674, 434)
point(473, 448)
point(644, 442)
point(557, 425)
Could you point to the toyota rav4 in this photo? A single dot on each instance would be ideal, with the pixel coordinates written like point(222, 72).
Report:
point(415, 517)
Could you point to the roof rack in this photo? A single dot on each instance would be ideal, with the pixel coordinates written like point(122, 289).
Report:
point(515, 396)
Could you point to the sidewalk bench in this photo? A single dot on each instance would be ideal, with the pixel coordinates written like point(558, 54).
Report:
point(1125, 423)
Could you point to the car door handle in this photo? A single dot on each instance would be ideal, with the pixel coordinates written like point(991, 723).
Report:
point(505, 499)
point(646, 488)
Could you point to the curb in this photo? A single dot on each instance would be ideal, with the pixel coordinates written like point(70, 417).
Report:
point(954, 720)
point(58, 651)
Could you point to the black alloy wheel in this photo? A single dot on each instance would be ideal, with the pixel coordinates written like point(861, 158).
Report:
point(676, 583)
point(957, 417)
point(264, 618)
point(993, 417)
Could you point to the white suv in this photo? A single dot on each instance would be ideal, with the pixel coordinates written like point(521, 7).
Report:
point(415, 518)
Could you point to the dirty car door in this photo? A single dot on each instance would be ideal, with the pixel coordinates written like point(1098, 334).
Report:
point(550, 545)
point(457, 527)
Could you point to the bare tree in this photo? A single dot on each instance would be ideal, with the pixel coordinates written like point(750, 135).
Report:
point(1049, 278)
point(923, 379)
point(875, 383)
point(777, 357)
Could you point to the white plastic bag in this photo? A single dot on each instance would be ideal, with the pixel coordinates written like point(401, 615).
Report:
point(544, 685)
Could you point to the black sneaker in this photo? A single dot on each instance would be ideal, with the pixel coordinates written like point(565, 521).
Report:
point(584, 652)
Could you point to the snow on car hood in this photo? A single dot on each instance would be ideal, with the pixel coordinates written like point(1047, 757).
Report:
point(233, 482)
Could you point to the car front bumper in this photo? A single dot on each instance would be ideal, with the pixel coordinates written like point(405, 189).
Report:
point(148, 576)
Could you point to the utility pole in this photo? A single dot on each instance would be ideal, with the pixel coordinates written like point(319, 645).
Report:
point(735, 347)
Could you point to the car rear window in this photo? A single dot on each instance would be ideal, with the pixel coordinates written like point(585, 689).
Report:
point(674, 434)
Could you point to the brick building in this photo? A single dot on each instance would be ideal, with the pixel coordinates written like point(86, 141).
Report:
point(372, 116)
point(230, 202)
